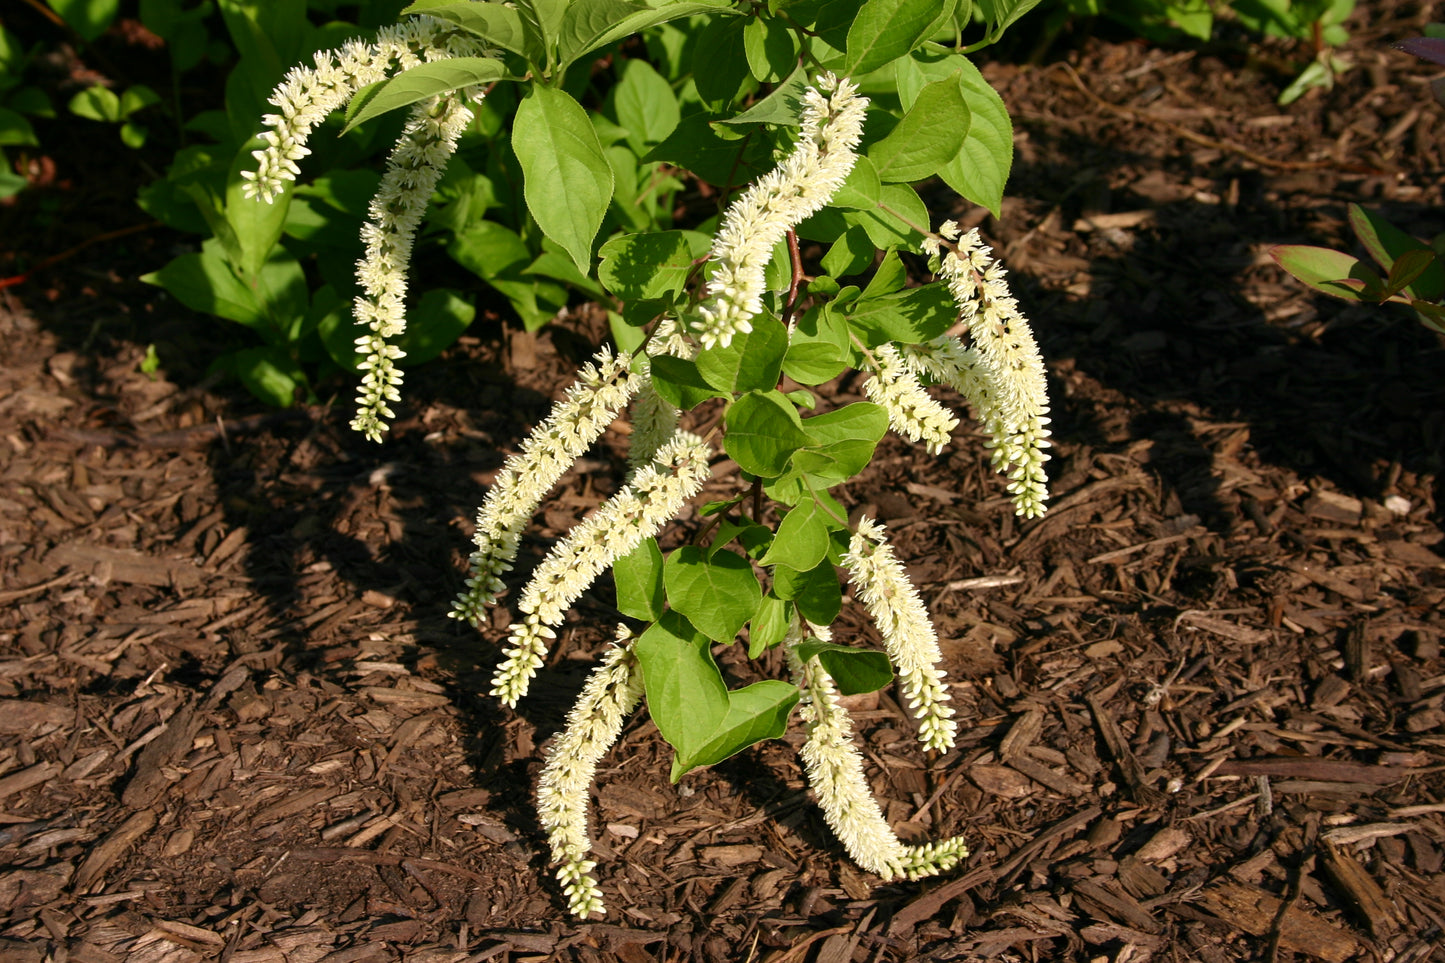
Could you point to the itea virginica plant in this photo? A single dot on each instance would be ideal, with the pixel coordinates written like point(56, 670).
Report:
point(725, 346)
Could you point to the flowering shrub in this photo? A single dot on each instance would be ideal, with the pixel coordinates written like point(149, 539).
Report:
point(721, 327)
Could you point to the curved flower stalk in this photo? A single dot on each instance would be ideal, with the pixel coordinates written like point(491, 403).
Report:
point(1004, 376)
point(911, 412)
point(653, 498)
point(308, 95)
point(412, 172)
point(576, 421)
point(835, 771)
point(908, 634)
point(612, 691)
point(832, 122)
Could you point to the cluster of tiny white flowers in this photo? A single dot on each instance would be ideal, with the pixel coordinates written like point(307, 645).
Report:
point(308, 95)
point(835, 771)
point(612, 691)
point(576, 421)
point(426, 144)
point(1002, 374)
point(832, 127)
point(655, 495)
point(911, 412)
point(908, 635)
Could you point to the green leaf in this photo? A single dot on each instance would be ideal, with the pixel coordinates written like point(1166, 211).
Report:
point(96, 103)
point(981, 169)
point(591, 24)
point(890, 278)
point(718, 592)
point(638, 576)
point(646, 266)
point(1001, 14)
point(860, 190)
point(928, 137)
point(500, 256)
point(771, 49)
point(819, 347)
point(817, 593)
point(419, 83)
point(898, 220)
point(852, 253)
point(885, 30)
point(15, 129)
point(720, 65)
point(854, 671)
point(205, 282)
point(841, 442)
point(542, 25)
point(686, 695)
point(1385, 243)
point(434, 324)
point(763, 431)
point(645, 105)
point(1408, 268)
point(769, 625)
point(717, 154)
point(257, 225)
point(781, 107)
point(269, 373)
point(499, 24)
point(89, 18)
point(1330, 272)
point(753, 361)
point(678, 381)
point(801, 541)
point(566, 179)
point(912, 316)
point(756, 712)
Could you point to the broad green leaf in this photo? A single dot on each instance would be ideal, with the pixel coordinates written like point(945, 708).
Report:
point(15, 129)
point(885, 30)
point(421, 82)
point(854, 671)
point(771, 49)
point(566, 179)
point(890, 278)
point(928, 137)
point(763, 431)
point(645, 105)
point(499, 24)
point(89, 18)
point(205, 282)
point(898, 220)
point(717, 154)
point(781, 107)
point(686, 695)
point(542, 24)
point(841, 442)
point(1385, 242)
point(981, 169)
point(646, 266)
point(720, 65)
point(555, 264)
point(911, 316)
point(860, 190)
point(269, 373)
point(752, 362)
point(678, 381)
point(591, 24)
point(1408, 268)
point(718, 592)
point(499, 256)
point(756, 712)
point(257, 225)
point(852, 253)
point(817, 593)
point(801, 541)
point(1001, 14)
point(769, 625)
point(818, 350)
point(434, 324)
point(96, 103)
point(638, 577)
point(1330, 272)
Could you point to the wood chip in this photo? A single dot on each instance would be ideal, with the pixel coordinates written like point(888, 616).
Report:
point(112, 847)
point(1312, 768)
point(1368, 899)
point(1255, 911)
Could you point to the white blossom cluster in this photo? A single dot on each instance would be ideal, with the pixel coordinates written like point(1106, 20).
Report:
point(653, 498)
point(835, 771)
point(427, 142)
point(576, 421)
point(911, 412)
point(832, 127)
point(908, 635)
point(308, 95)
point(1001, 373)
point(612, 691)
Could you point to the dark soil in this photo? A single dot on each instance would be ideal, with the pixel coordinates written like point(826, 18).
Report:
point(1203, 700)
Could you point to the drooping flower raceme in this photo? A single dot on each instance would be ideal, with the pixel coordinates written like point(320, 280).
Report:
point(611, 693)
point(911, 412)
point(412, 172)
point(835, 771)
point(1004, 379)
point(576, 421)
point(832, 127)
point(907, 631)
point(653, 498)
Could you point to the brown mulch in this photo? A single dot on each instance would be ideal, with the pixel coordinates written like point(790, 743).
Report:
point(1203, 700)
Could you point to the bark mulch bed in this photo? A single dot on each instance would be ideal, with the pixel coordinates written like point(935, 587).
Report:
point(1203, 701)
